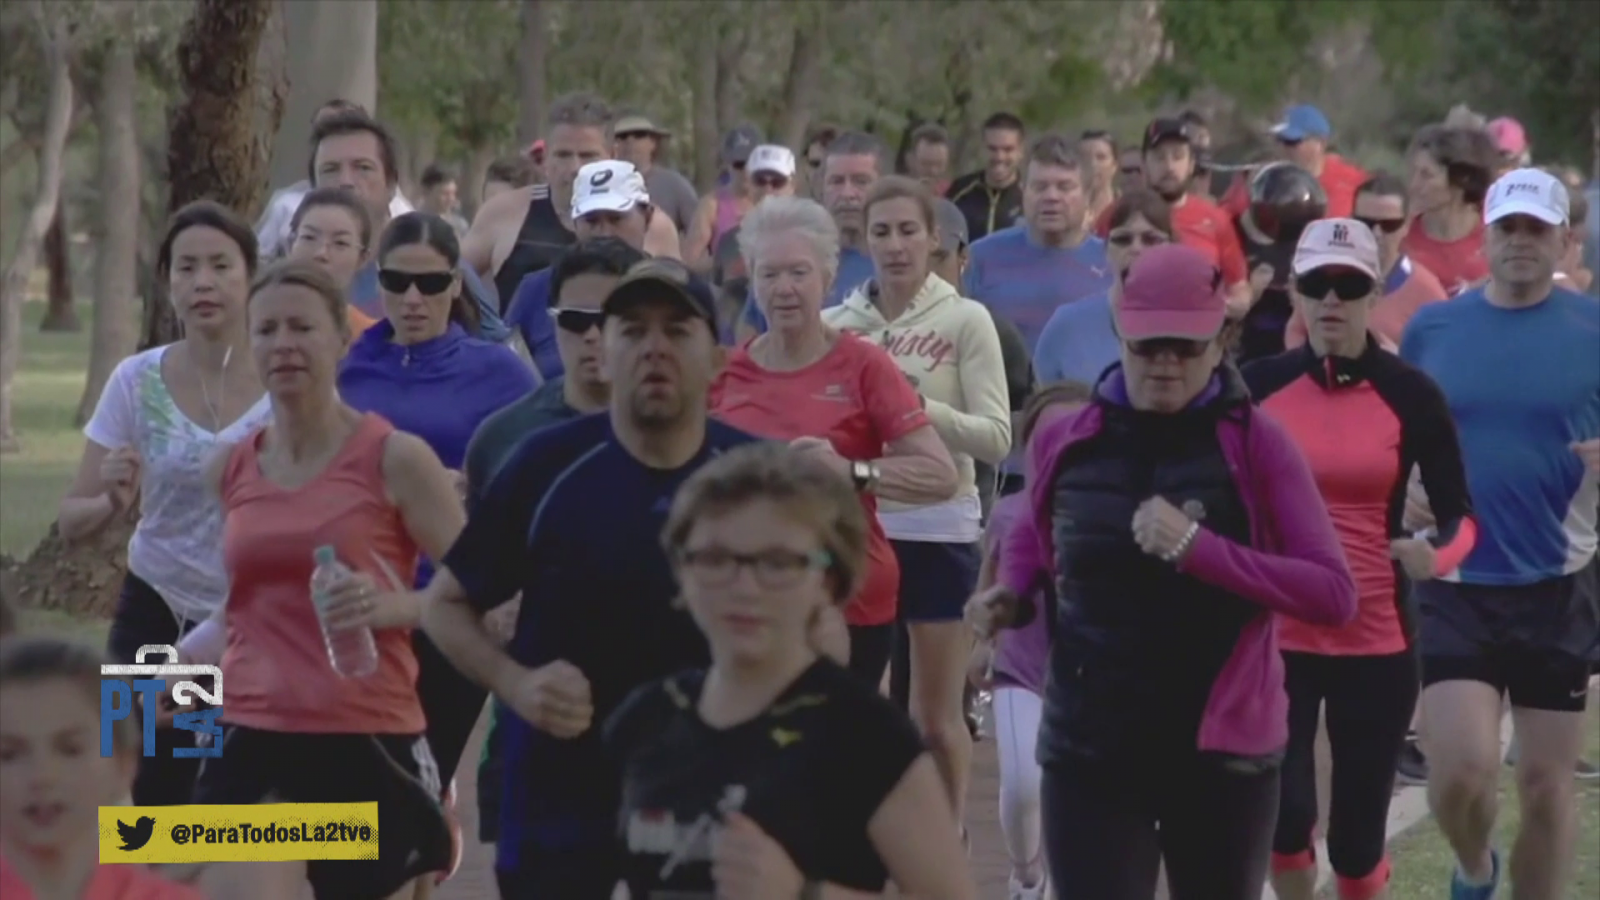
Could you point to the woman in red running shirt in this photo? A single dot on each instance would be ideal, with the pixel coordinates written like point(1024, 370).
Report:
point(53, 779)
point(1451, 170)
point(833, 394)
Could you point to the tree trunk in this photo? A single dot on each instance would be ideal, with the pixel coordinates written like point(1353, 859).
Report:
point(802, 81)
point(534, 78)
point(117, 235)
point(470, 187)
point(60, 314)
point(730, 52)
point(333, 50)
point(58, 117)
point(707, 135)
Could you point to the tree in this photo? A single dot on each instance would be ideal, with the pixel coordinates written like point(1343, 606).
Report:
point(55, 36)
point(59, 314)
point(532, 71)
point(333, 53)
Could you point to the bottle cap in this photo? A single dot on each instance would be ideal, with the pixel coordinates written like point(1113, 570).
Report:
point(325, 554)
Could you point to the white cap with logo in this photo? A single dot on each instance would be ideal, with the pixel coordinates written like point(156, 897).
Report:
point(1527, 192)
point(1337, 242)
point(771, 158)
point(610, 185)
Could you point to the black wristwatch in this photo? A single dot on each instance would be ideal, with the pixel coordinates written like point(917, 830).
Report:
point(811, 890)
point(864, 475)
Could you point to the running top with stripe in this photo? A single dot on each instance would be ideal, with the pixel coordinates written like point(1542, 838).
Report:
point(573, 521)
point(540, 239)
point(1523, 386)
point(1362, 424)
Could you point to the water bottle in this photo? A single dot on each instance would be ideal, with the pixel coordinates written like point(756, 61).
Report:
point(352, 651)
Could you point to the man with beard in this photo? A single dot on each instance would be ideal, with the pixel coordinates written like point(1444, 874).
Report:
point(991, 198)
point(573, 521)
point(1284, 199)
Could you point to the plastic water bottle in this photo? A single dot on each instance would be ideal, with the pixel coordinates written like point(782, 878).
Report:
point(352, 651)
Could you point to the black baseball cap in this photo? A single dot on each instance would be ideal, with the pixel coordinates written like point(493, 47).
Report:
point(668, 279)
point(1167, 129)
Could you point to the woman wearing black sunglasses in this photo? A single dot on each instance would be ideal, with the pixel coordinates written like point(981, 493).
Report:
point(1178, 527)
point(1362, 419)
point(421, 369)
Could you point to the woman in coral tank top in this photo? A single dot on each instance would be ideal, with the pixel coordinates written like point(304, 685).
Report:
point(295, 730)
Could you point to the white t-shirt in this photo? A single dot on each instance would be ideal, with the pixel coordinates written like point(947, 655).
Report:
point(177, 545)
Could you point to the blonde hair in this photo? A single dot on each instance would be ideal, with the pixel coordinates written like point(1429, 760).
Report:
point(777, 216)
point(36, 659)
point(809, 492)
point(312, 277)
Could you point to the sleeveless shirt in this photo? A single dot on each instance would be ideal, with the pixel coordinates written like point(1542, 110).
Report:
point(540, 240)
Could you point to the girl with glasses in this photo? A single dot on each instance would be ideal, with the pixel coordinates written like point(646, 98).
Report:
point(334, 230)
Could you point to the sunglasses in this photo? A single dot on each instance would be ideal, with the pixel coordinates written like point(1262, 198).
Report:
point(1145, 238)
point(814, 162)
point(578, 321)
point(1290, 142)
point(428, 283)
point(738, 166)
point(634, 135)
point(1347, 286)
point(1387, 226)
point(768, 180)
point(1182, 348)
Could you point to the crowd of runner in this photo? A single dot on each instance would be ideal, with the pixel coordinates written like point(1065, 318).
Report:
point(735, 509)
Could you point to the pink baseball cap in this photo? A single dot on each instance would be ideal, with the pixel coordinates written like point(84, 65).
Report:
point(1172, 291)
point(1508, 136)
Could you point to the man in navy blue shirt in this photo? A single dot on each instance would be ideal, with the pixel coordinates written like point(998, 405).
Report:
point(573, 521)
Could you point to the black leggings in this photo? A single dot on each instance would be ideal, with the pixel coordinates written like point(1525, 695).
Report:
point(1109, 825)
point(870, 646)
point(142, 617)
point(1369, 700)
point(450, 702)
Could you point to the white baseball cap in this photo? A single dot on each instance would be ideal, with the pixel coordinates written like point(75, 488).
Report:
point(1337, 242)
point(1527, 192)
point(771, 158)
point(610, 185)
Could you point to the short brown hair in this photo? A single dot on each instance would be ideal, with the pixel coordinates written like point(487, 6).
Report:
point(312, 277)
point(929, 133)
point(37, 659)
point(1054, 149)
point(332, 196)
point(1467, 155)
point(354, 121)
point(1145, 204)
point(899, 187)
point(582, 110)
point(516, 171)
point(814, 494)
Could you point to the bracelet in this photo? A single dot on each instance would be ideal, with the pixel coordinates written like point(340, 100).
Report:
point(1183, 544)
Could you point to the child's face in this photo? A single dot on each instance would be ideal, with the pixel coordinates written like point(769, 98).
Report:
point(52, 777)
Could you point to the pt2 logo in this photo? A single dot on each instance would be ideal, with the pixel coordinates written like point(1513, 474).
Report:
point(116, 701)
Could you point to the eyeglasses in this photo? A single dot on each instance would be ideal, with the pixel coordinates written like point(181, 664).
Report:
point(768, 180)
point(1145, 238)
point(428, 283)
point(774, 569)
point(318, 242)
point(578, 321)
point(1348, 286)
point(814, 162)
point(634, 135)
point(1182, 348)
point(1387, 226)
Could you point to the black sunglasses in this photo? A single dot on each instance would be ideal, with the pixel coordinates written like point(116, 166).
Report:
point(634, 135)
point(578, 321)
point(1347, 286)
point(428, 283)
point(738, 166)
point(768, 180)
point(1290, 142)
point(1182, 348)
point(1146, 238)
point(1387, 226)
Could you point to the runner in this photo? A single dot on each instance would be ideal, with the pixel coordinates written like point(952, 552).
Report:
point(334, 230)
point(1013, 668)
point(843, 397)
point(1098, 149)
point(771, 171)
point(53, 781)
point(162, 413)
point(816, 150)
point(1284, 199)
point(1363, 419)
point(720, 211)
point(1451, 169)
point(1168, 715)
point(505, 174)
point(573, 521)
point(928, 157)
point(1512, 142)
point(1381, 205)
point(1303, 137)
point(731, 773)
point(991, 198)
point(947, 347)
point(639, 140)
point(439, 197)
point(322, 474)
point(1516, 360)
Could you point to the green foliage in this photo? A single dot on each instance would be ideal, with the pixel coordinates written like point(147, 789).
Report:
point(450, 68)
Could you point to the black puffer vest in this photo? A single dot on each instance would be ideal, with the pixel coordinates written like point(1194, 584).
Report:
point(1138, 645)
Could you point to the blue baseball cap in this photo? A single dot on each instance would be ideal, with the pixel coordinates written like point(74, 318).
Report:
point(663, 279)
point(1302, 122)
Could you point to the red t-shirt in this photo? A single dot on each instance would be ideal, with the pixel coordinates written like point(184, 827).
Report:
point(857, 398)
point(1202, 225)
point(1459, 264)
point(119, 882)
point(1339, 180)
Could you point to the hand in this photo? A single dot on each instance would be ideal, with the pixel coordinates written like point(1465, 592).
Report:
point(992, 610)
point(746, 864)
point(120, 471)
point(1418, 514)
point(356, 602)
point(980, 666)
point(553, 698)
point(822, 450)
point(459, 479)
point(1415, 557)
point(1589, 452)
point(1158, 527)
point(1260, 279)
point(829, 635)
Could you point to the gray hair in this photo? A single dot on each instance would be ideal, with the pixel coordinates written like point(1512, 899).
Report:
point(778, 216)
point(583, 110)
point(859, 143)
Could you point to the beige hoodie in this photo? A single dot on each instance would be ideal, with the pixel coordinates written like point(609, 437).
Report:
point(947, 346)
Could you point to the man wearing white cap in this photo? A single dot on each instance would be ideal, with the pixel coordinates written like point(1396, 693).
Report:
point(1517, 361)
point(771, 172)
point(608, 200)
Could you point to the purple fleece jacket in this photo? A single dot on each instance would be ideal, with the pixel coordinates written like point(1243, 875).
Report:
point(1021, 655)
point(1294, 566)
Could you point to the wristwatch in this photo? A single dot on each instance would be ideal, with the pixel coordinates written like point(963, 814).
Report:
point(864, 475)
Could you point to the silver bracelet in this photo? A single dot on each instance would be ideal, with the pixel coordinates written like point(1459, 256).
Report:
point(1183, 544)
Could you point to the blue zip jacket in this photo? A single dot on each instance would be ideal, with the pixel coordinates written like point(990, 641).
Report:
point(440, 390)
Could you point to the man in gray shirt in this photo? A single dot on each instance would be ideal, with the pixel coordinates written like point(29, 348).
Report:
point(639, 140)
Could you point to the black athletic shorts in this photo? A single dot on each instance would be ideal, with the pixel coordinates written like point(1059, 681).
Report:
point(394, 770)
point(1532, 642)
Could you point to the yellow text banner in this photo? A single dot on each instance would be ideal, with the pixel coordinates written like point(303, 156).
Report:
point(268, 832)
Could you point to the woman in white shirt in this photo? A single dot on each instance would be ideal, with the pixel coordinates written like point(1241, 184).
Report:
point(160, 416)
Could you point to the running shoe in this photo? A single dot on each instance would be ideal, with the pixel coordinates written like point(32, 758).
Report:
point(1460, 890)
point(1019, 891)
point(1412, 767)
point(457, 843)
